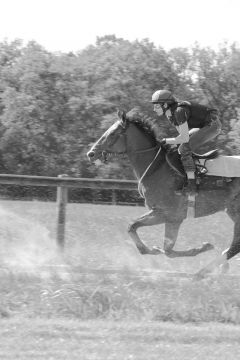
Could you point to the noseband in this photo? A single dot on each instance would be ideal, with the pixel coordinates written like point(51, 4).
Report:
point(106, 154)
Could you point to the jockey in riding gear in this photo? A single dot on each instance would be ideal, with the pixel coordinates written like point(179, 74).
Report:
point(195, 123)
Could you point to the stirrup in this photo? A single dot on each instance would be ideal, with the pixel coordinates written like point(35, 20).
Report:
point(201, 170)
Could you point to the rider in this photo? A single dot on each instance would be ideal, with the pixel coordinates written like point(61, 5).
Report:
point(195, 123)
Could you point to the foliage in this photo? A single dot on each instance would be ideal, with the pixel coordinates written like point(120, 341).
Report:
point(55, 105)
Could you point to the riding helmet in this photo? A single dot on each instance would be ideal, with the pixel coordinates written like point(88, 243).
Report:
point(163, 96)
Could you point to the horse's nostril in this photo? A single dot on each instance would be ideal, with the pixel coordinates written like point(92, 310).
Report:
point(90, 154)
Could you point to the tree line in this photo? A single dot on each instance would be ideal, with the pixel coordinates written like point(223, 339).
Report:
point(53, 106)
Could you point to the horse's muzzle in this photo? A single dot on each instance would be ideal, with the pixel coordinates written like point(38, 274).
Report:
point(91, 155)
point(95, 155)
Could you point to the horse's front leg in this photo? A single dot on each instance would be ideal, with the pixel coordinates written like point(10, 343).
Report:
point(171, 233)
point(153, 217)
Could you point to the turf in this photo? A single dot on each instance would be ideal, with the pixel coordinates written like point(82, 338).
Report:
point(98, 340)
point(96, 236)
point(66, 305)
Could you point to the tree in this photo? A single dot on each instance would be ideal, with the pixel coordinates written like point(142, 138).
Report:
point(217, 78)
point(54, 106)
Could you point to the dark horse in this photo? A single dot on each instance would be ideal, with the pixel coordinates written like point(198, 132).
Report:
point(133, 135)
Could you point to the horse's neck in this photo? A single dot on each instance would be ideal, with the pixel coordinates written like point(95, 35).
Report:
point(141, 150)
point(140, 161)
point(137, 144)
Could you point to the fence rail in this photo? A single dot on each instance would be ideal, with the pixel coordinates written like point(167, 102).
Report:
point(69, 182)
point(63, 183)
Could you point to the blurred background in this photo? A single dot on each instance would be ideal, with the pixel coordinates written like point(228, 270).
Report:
point(66, 67)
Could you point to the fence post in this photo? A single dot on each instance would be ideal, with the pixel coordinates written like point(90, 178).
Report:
point(114, 197)
point(62, 199)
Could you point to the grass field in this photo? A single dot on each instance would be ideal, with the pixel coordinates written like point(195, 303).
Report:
point(101, 340)
point(96, 237)
point(67, 313)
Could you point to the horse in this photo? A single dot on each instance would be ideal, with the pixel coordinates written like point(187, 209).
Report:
point(133, 135)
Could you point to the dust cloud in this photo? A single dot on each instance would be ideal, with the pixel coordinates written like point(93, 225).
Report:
point(25, 244)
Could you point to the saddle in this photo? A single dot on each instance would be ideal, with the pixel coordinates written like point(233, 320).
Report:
point(209, 173)
point(174, 161)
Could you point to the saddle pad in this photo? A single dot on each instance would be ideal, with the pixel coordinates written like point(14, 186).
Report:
point(226, 166)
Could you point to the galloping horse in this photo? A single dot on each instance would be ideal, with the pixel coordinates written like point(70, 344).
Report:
point(133, 135)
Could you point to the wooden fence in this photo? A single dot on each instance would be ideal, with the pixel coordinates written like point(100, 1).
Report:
point(63, 183)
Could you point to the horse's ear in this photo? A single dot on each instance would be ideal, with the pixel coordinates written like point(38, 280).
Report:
point(122, 116)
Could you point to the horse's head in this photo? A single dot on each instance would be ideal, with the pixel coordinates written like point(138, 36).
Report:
point(112, 142)
point(128, 134)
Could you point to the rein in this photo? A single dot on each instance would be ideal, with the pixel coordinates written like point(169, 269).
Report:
point(146, 150)
point(147, 168)
point(105, 154)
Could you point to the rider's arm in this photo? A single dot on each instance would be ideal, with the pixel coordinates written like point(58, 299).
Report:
point(183, 136)
point(179, 120)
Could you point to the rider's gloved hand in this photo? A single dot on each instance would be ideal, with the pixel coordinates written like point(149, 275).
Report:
point(162, 142)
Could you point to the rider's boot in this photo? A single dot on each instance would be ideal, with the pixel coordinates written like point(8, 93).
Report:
point(190, 187)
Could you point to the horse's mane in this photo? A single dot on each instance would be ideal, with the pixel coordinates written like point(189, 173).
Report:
point(144, 122)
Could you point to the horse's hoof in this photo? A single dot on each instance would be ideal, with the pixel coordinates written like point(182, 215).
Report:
point(157, 250)
point(144, 251)
point(202, 274)
point(207, 246)
point(199, 276)
point(224, 268)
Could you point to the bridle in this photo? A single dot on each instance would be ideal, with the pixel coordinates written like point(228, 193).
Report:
point(108, 153)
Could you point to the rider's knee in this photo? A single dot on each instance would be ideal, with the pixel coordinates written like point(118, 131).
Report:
point(184, 149)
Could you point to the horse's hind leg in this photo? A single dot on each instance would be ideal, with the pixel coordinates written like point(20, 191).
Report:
point(171, 233)
point(227, 254)
point(220, 260)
